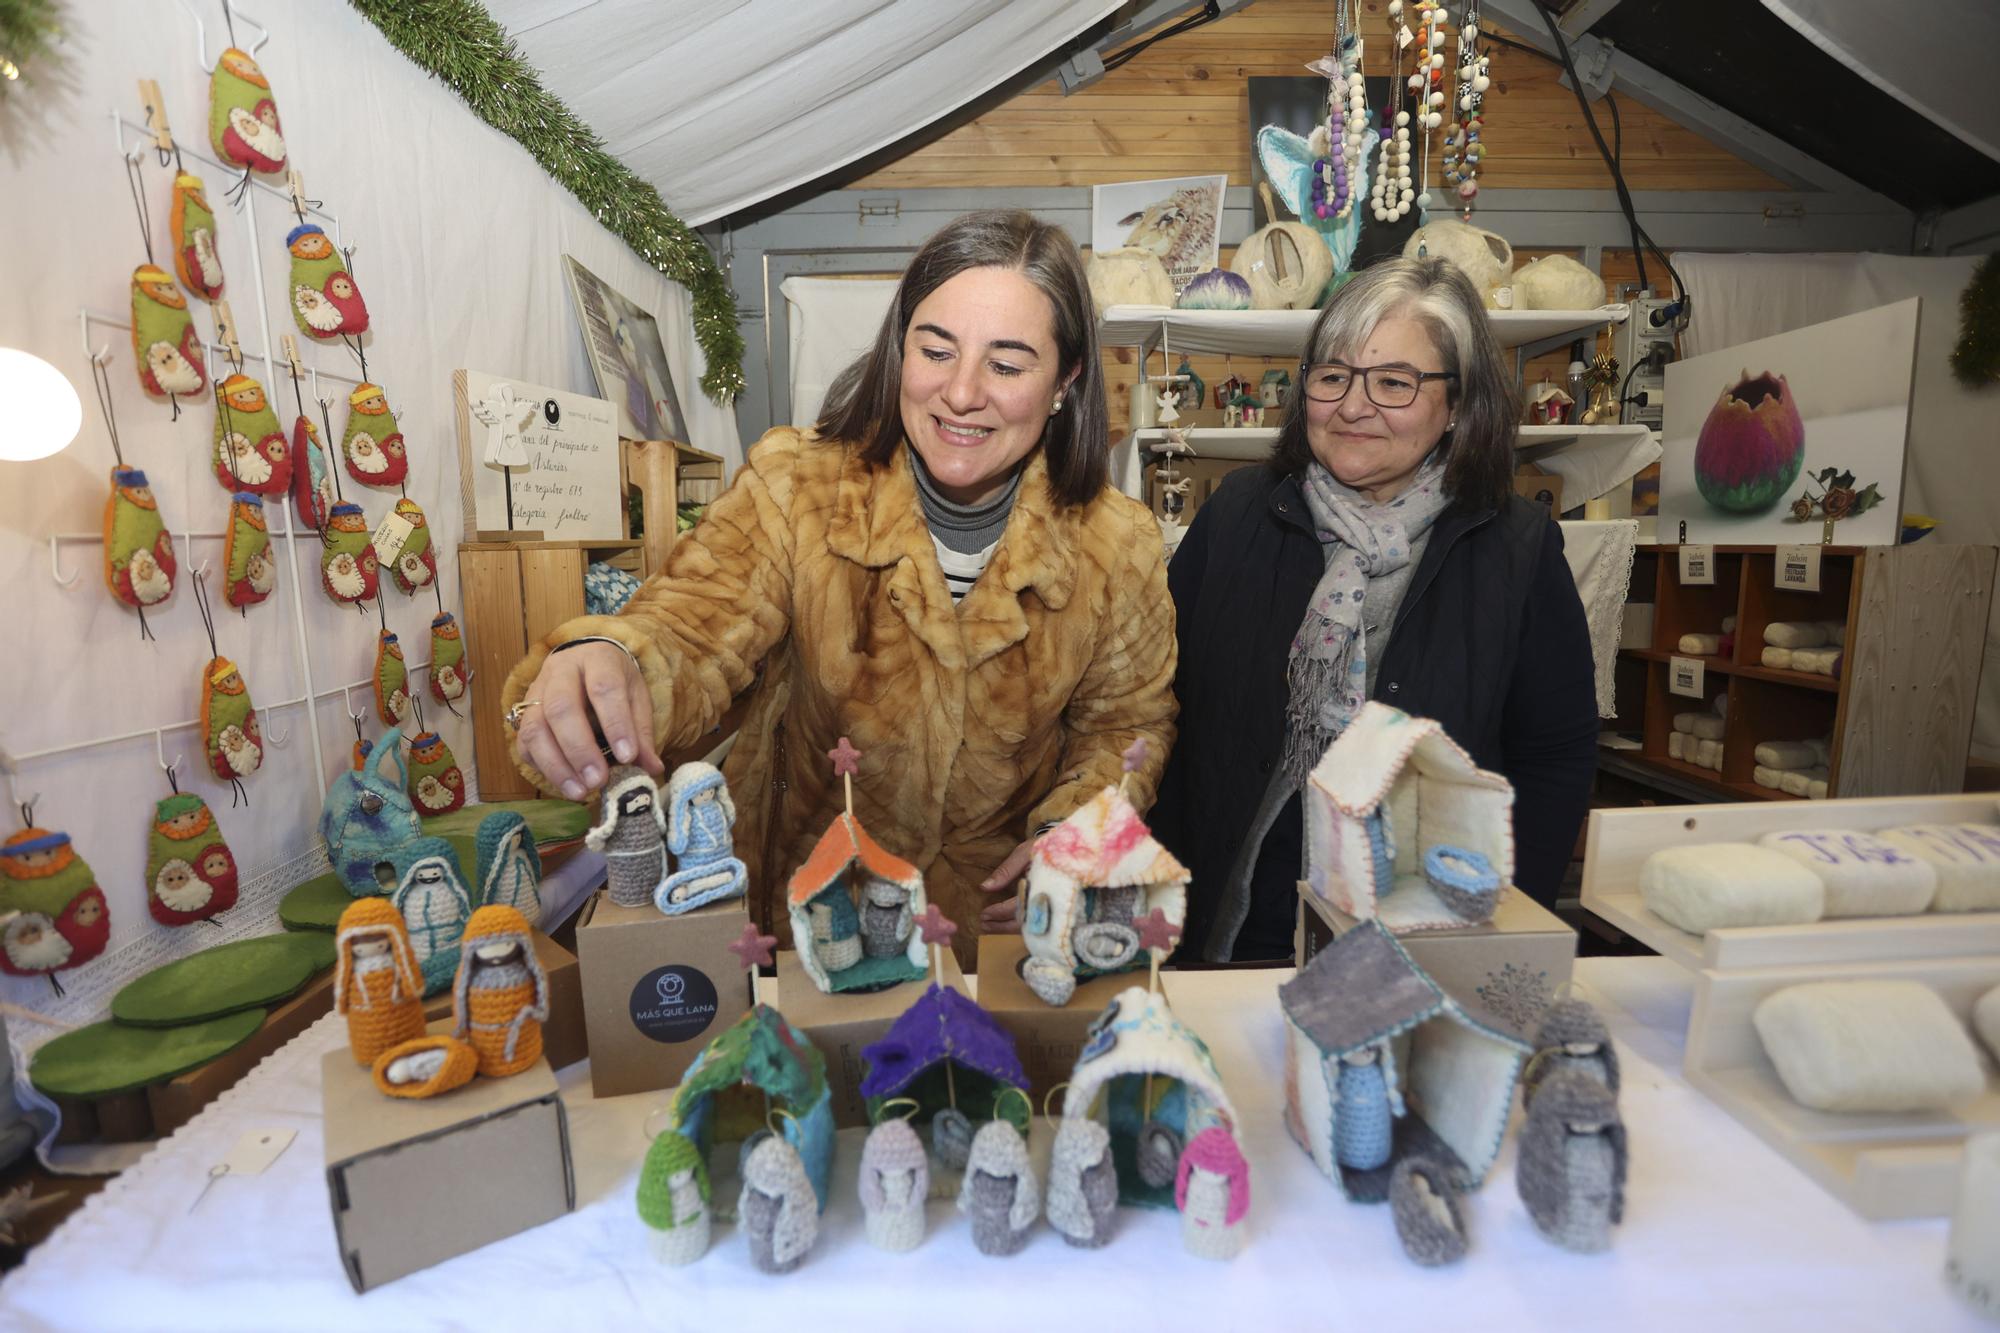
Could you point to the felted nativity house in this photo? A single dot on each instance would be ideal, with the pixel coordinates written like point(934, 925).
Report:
point(761, 1065)
point(942, 1051)
point(1389, 789)
point(853, 907)
point(1449, 1078)
point(1092, 878)
point(1152, 1083)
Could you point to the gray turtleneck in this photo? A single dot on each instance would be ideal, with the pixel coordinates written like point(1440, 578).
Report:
point(965, 535)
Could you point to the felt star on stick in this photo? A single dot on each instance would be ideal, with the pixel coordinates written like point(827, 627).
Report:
point(846, 760)
point(754, 950)
point(1156, 932)
point(936, 929)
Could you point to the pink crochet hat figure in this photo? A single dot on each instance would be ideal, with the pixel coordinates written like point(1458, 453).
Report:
point(1212, 1190)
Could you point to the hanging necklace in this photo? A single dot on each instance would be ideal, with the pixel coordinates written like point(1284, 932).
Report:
point(1392, 193)
point(1337, 172)
point(1463, 150)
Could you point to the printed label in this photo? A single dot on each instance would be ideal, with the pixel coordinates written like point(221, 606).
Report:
point(390, 536)
point(1798, 569)
point(1698, 564)
point(673, 1004)
point(1687, 675)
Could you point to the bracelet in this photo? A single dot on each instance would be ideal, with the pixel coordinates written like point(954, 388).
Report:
point(599, 638)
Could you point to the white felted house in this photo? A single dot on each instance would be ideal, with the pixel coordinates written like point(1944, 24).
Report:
point(1450, 1076)
point(1092, 879)
point(1389, 789)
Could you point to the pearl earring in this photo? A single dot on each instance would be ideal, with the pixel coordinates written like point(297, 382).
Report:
point(1058, 405)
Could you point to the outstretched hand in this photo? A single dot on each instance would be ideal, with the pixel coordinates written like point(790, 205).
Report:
point(1004, 916)
point(594, 680)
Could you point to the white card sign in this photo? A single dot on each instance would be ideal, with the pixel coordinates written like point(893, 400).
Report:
point(571, 488)
point(1798, 569)
point(1687, 675)
point(1697, 564)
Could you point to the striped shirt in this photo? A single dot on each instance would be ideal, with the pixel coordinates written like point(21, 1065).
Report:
point(962, 569)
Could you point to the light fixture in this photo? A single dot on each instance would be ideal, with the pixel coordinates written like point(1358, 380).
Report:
point(39, 410)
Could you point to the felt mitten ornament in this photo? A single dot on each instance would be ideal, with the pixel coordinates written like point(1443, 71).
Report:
point(63, 921)
point(416, 564)
point(246, 553)
point(347, 556)
point(392, 680)
point(325, 301)
point(372, 445)
point(250, 451)
point(196, 262)
point(437, 787)
point(190, 875)
point(229, 723)
point(448, 674)
point(139, 564)
point(164, 343)
point(312, 477)
point(242, 118)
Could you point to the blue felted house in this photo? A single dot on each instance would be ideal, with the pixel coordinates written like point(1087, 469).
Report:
point(741, 1082)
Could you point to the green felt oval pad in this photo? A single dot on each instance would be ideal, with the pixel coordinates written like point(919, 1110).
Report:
point(108, 1058)
point(315, 904)
point(242, 975)
point(550, 821)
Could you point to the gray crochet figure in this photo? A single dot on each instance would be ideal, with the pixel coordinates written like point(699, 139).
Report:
point(1083, 1183)
point(632, 834)
point(1159, 1154)
point(1429, 1221)
point(1572, 1169)
point(951, 1138)
point(885, 919)
point(1572, 1037)
point(778, 1210)
point(999, 1192)
point(894, 1184)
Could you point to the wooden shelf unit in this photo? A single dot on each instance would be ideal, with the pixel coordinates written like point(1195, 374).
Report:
point(1899, 714)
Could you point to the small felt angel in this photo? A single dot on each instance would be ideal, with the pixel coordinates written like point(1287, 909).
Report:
point(895, 1181)
point(1212, 1190)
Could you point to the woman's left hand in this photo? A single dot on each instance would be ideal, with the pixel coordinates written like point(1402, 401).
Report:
point(1004, 917)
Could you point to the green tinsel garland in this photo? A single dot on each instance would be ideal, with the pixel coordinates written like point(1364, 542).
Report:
point(29, 29)
point(459, 44)
point(1976, 359)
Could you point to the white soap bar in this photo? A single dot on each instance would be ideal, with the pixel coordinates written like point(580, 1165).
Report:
point(1819, 661)
point(1778, 659)
point(1729, 624)
point(1712, 885)
point(1708, 754)
point(1707, 727)
point(1797, 782)
point(1785, 754)
point(1966, 858)
point(1816, 790)
point(1883, 1046)
point(1684, 722)
point(1864, 876)
point(1677, 744)
point(1701, 645)
point(1766, 777)
point(1794, 634)
point(1834, 632)
point(1822, 751)
point(1986, 1020)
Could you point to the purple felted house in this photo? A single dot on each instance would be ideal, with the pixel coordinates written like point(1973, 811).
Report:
point(946, 1051)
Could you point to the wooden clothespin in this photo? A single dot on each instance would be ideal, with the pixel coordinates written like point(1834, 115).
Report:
point(225, 333)
point(291, 346)
point(296, 184)
point(156, 115)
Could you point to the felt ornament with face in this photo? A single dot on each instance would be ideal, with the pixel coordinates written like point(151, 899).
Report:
point(139, 562)
point(229, 731)
point(448, 674)
point(325, 301)
point(312, 479)
point(416, 564)
point(242, 118)
point(347, 556)
point(436, 785)
point(372, 445)
point(246, 553)
point(63, 921)
point(190, 874)
point(250, 450)
point(392, 680)
point(196, 262)
point(165, 346)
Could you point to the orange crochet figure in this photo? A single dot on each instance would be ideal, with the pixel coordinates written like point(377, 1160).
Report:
point(376, 982)
point(500, 997)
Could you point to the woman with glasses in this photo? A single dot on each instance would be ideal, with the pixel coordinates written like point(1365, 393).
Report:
point(1381, 554)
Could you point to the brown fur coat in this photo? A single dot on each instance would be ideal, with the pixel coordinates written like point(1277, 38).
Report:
point(977, 723)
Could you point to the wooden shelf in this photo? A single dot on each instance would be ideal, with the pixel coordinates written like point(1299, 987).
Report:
point(1284, 332)
point(1805, 680)
point(1709, 779)
point(611, 544)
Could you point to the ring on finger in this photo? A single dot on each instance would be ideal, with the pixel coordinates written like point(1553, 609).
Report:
point(518, 711)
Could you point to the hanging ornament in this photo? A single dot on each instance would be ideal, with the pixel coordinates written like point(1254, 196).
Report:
point(325, 301)
point(62, 919)
point(229, 731)
point(139, 564)
point(164, 343)
point(249, 572)
point(436, 785)
point(250, 452)
point(1392, 194)
point(312, 478)
point(1337, 171)
point(190, 875)
point(392, 694)
point(373, 446)
point(416, 563)
point(347, 556)
point(1464, 151)
point(448, 674)
point(242, 118)
point(196, 262)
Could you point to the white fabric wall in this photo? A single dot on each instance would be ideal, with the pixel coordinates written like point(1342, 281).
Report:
point(461, 237)
point(1953, 467)
point(831, 321)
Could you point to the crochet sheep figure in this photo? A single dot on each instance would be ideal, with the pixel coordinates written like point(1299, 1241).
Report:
point(1212, 1190)
point(1572, 1037)
point(632, 835)
point(999, 1192)
point(1083, 1184)
point(699, 817)
point(377, 984)
point(1429, 1219)
point(674, 1199)
point(500, 997)
point(1571, 1172)
point(895, 1181)
point(778, 1209)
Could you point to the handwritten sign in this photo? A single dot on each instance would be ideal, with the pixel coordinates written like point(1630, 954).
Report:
point(1798, 569)
point(570, 489)
point(1697, 564)
point(1686, 675)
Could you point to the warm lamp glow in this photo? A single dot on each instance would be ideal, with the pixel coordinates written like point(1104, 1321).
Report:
point(39, 410)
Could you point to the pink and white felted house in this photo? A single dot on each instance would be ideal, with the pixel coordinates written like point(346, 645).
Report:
point(1388, 789)
point(1092, 878)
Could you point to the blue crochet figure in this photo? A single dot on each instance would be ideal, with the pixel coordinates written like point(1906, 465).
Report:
point(1363, 1120)
point(700, 816)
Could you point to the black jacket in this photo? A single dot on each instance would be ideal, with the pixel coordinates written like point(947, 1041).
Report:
point(1490, 640)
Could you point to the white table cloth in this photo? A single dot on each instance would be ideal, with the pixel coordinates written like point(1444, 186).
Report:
point(1719, 1232)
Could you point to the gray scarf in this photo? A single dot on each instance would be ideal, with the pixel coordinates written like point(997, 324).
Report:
point(1367, 549)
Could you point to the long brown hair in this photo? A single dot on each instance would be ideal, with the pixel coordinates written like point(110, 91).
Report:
point(864, 406)
point(1479, 449)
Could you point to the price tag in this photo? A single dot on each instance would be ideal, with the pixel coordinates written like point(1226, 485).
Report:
point(1686, 675)
point(1698, 564)
point(1798, 569)
point(390, 535)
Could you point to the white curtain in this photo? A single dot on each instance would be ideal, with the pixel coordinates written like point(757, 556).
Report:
point(1953, 469)
point(831, 321)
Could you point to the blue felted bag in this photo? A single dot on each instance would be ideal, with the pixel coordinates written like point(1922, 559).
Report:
point(367, 815)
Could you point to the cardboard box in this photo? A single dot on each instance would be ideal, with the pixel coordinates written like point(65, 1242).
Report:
point(1047, 1039)
point(563, 1040)
point(1503, 973)
point(417, 1181)
point(1538, 485)
point(842, 1025)
point(656, 989)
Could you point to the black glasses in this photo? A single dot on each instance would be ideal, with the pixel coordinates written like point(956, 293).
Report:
point(1386, 386)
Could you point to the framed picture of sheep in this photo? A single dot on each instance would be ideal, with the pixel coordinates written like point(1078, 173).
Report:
point(1178, 219)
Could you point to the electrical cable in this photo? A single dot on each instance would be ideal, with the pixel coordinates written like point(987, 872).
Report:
point(1209, 13)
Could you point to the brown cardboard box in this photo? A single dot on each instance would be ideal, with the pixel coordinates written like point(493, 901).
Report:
point(656, 989)
point(417, 1181)
point(1048, 1039)
point(562, 1035)
point(1503, 973)
point(841, 1025)
point(1532, 482)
